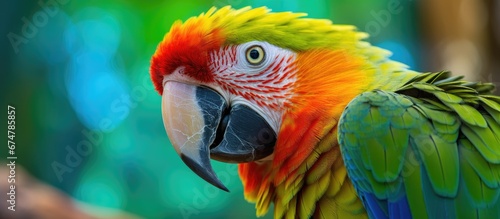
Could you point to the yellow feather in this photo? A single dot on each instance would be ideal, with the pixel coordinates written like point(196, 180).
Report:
point(338, 179)
point(322, 166)
point(347, 197)
point(293, 205)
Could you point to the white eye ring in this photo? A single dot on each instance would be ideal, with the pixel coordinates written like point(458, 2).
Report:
point(255, 55)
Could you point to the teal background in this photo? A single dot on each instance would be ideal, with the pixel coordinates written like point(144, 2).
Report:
point(88, 119)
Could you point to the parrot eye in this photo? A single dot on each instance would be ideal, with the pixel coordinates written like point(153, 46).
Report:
point(255, 55)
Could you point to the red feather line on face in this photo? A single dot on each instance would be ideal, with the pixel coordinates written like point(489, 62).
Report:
point(267, 88)
point(185, 45)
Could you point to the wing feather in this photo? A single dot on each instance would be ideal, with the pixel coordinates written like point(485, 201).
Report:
point(430, 150)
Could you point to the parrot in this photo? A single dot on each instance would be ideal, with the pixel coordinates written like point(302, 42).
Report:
point(321, 123)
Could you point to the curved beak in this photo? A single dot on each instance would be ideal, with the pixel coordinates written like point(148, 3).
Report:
point(200, 124)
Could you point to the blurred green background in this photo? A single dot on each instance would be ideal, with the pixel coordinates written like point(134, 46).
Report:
point(89, 121)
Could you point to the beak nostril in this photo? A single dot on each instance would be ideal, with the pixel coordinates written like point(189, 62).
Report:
point(221, 129)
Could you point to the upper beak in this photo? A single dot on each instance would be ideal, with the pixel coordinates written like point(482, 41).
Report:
point(200, 124)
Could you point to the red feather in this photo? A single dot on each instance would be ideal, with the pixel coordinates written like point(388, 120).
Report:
point(188, 45)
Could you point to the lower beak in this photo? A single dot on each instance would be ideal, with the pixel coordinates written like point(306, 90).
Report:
point(200, 124)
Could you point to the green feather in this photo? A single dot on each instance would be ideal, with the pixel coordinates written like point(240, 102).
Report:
point(440, 159)
point(447, 98)
point(468, 114)
point(436, 105)
point(484, 149)
point(480, 193)
point(494, 127)
point(485, 170)
point(494, 113)
point(426, 87)
point(453, 80)
point(412, 176)
point(491, 103)
point(438, 116)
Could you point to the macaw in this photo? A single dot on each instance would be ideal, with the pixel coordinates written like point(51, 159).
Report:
point(323, 124)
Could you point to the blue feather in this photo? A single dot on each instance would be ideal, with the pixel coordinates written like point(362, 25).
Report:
point(373, 206)
point(400, 209)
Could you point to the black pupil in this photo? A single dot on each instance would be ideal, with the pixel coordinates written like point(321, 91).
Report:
point(254, 54)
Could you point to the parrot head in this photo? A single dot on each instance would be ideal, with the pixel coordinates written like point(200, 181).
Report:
point(257, 88)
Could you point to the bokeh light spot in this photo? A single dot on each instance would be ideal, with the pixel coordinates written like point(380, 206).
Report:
point(95, 83)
